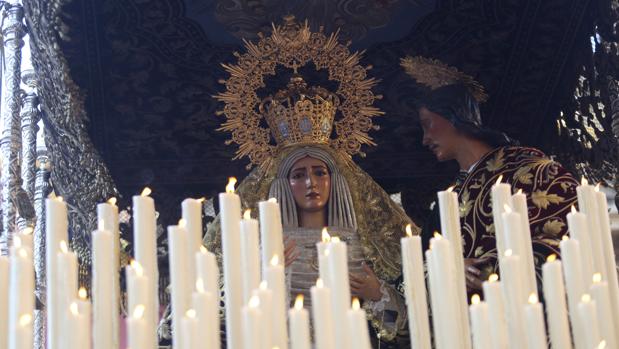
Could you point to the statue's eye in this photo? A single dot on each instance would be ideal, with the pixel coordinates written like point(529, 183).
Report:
point(298, 175)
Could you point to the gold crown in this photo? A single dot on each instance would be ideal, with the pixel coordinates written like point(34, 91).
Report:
point(298, 114)
point(435, 74)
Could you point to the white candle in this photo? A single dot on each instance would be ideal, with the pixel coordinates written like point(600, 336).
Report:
point(358, 327)
point(323, 265)
point(24, 239)
point(515, 298)
point(556, 307)
point(480, 323)
point(276, 280)
point(56, 230)
point(67, 289)
point(145, 252)
point(519, 201)
point(450, 224)
point(299, 325)
point(206, 306)
point(4, 302)
point(76, 322)
point(103, 282)
point(321, 313)
point(138, 333)
point(192, 215)
point(512, 225)
point(600, 294)
point(252, 318)
point(208, 271)
point(443, 271)
point(577, 225)
point(23, 333)
point(575, 286)
point(439, 337)
point(271, 231)
point(190, 331)
point(21, 290)
point(609, 256)
point(588, 204)
point(493, 294)
point(181, 289)
point(265, 296)
point(137, 286)
point(83, 328)
point(107, 213)
point(415, 290)
point(230, 217)
point(501, 196)
point(340, 290)
point(250, 255)
point(536, 332)
point(588, 315)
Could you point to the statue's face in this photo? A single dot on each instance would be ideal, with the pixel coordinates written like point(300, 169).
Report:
point(310, 182)
point(439, 135)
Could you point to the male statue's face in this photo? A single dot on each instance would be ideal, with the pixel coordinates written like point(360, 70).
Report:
point(310, 182)
point(439, 135)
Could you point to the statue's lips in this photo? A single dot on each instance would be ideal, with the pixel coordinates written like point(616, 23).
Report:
point(312, 196)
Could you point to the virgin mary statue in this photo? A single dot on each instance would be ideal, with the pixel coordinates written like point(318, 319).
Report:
point(304, 160)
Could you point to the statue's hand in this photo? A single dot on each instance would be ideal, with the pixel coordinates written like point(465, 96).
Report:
point(290, 251)
point(473, 274)
point(365, 285)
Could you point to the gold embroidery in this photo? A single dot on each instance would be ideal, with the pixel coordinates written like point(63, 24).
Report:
point(495, 163)
point(553, 227)
point(542, 199)
point(524, 175)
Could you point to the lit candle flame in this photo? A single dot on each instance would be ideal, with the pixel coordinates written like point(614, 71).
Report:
point(584, 181)
point(22, 253)
point(437, 235)
point(254, 302)
point(263, 285)
point(137, 267)
point(574, 209)
point(59, 198)
point(138, 311)
point(602, 344)
point(586, 298)
point(146, 191)
point(201, 200)
point(335, 239)
point(409, 230)
point(27, 231)
point(230, 185)
point(203, 249)
point(565, 237)
point(498, 181)
point(493, 277)
point(200, 285)
point(182, 223)
point(475, 299)
point(519, 192)
point(82, 293)
point(597, 187)
point(533, 298)
point(450, 189)
point(298, 303)
point(275, 260)
point(355, 303)
point(191, 313)
point(509, 252)
point(274, 200)
point(101, 224)
point(247, 214)
point(507, 208)
point(25, 320)
point(325, 235)
point(551, 258)
point(74, 309)
point(597, 278)
point(320, 283)
point(112, 201)
point(63, 247)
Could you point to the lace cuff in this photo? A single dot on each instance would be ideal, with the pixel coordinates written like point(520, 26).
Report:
point(379, 305)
